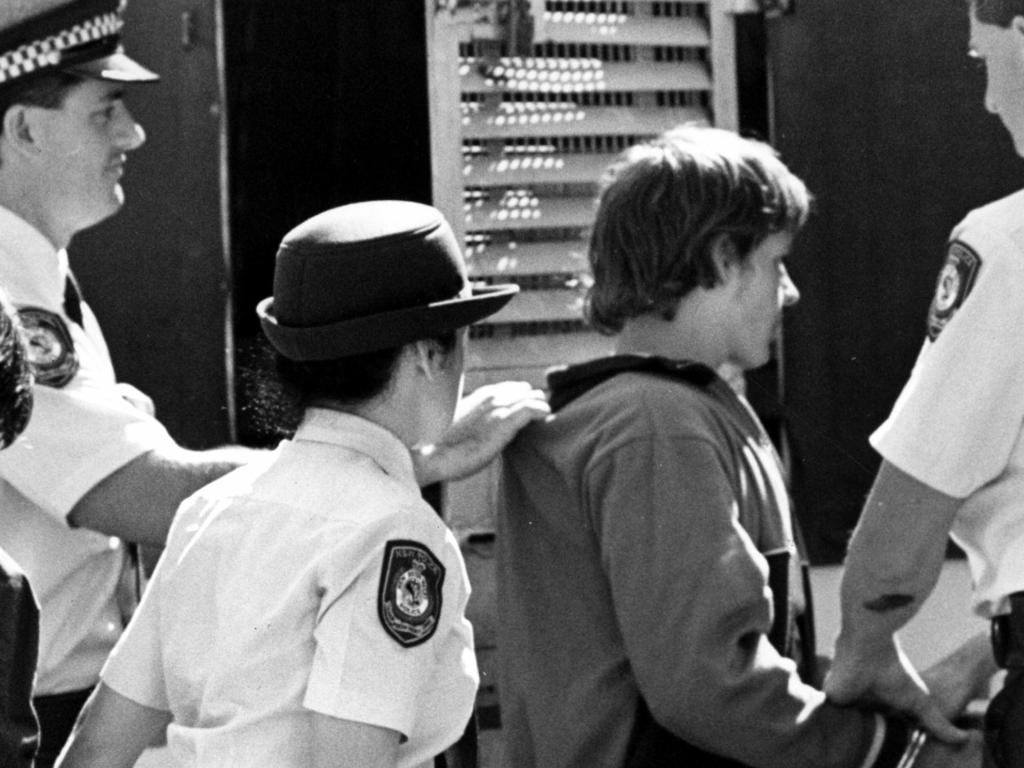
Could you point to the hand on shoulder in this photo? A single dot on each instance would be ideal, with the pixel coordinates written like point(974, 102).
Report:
point(485, 422)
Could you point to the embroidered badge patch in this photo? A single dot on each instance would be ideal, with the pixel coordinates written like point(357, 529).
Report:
point(955, 281)
point(409, 601)
point(50, 349)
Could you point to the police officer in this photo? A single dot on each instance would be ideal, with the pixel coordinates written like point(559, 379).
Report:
point(94, 462)
point(953, 448)
point(309, 608)
point(95, 467)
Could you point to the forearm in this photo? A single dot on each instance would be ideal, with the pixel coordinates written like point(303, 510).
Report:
point(337, 742)
point(112, 731)
point(894, 560)
point(138, 501)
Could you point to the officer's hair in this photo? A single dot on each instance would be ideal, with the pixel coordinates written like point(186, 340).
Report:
point(348, 380)
point(664, 203)
point(277, 390)
point(47, 91)
point(998, 12)
point(15, 377)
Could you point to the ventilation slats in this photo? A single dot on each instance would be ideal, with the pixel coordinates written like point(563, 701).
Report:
point(566, 76)
point(622, 29)
point(516, 211)
point(540, 307)
point(550, 168)
point(503, 261)
point(541, 120)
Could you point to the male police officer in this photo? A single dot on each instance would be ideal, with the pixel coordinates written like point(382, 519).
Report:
point(94, 463)
point(95, 466)
point(953, 446)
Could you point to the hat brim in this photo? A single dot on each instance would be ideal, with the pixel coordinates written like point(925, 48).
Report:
point(117, 67)
point(381, 331)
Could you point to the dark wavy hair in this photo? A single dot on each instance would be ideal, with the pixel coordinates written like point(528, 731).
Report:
point(663, 204)
point(47, 91)
point(997, 12)
point(15, 377)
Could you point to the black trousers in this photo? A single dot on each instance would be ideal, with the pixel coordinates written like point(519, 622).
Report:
point(57, 715)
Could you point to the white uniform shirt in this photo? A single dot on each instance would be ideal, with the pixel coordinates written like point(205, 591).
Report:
point(266, 605)
point(958, 425)
point(78, 434)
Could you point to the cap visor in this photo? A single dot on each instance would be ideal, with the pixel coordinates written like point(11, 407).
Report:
point(116, 67)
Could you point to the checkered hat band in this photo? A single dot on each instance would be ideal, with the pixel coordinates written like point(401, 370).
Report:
point(49, 51)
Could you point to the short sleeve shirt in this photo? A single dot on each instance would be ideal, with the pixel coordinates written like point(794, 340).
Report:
point(80, 432)
point(276, 596)
point(957, 425)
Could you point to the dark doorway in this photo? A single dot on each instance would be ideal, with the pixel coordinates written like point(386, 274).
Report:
point(328, 105)
point(879, 109)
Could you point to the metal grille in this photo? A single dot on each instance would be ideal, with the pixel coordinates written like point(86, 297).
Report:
point(540, 120)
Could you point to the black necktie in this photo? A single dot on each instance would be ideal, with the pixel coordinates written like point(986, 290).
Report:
point(73, 300)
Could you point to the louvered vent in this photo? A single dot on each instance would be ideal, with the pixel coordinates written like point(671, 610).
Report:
point(538, 127)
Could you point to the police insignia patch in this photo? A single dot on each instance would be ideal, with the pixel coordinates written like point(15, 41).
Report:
point(409, 599)
point(955, 281)
point(50, 349)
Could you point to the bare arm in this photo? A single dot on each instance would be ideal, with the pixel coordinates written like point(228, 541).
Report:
point(343, 743)
point(112, 731)
point(893, 563)
point(138, 501)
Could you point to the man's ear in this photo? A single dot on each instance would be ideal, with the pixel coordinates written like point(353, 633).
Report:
point(19, 130)
point(430, 358)
point(725, 256)
point(1017, 26)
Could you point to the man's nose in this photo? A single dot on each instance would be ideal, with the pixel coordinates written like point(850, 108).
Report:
point(790, 293)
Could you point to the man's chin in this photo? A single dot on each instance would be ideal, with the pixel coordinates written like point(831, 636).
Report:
point(100, 215)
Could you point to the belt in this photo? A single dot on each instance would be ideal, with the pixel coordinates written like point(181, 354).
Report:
point(1008, 634)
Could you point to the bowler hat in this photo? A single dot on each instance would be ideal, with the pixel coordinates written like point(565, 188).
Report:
point(39, 37)
point(369, 276)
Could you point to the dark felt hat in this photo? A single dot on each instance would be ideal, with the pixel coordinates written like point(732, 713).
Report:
point(369, 276)
point(39, 37)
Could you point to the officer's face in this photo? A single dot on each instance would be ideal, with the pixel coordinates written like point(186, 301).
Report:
point(1002, 52)
point(82, 148)
point(760, 289)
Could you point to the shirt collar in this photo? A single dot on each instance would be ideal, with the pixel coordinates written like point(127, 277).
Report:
point(32, 271)
point(323, 425)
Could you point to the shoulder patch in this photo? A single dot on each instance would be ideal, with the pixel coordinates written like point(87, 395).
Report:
point(409, 599)
point(51, 352)
point(955, 282)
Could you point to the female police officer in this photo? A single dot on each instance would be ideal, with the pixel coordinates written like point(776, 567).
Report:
point(308, 609)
